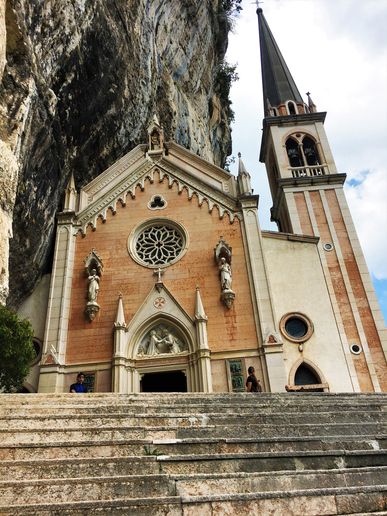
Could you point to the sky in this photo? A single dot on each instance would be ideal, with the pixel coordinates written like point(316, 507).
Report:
point(337, 50)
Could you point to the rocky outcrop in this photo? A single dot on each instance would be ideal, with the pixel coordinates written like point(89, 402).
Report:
point(81, 82)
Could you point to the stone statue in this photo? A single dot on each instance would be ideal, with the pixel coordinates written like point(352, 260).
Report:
point(225, 274)
point(93, 289)
point(160, 341)
point(171, 342)
point(153, 346)
point(223, 255)
point(155, 141)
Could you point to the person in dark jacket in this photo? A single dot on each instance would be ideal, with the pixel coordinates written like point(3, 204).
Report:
point(79, 386)
point(252, 382)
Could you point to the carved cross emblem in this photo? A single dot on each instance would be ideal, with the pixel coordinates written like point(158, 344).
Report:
point(159, 272)
point(159, 302)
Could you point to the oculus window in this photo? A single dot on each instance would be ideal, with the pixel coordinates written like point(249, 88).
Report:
point(296, 327)
point(158, 243)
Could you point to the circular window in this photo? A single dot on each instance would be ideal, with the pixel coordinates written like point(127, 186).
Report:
point(328, 247)
point(157, 243)
point(296, 327)
point(356, 349)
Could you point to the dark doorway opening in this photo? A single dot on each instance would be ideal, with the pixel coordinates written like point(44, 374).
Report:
point(169, 381)
point(307, 376)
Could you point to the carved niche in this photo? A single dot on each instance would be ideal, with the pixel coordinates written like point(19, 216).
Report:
point(161, 340)
point(93, 271)
point(222, 255)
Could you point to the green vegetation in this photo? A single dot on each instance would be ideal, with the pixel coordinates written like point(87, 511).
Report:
point(231, 7)
point(225, 76)
point(16, 350)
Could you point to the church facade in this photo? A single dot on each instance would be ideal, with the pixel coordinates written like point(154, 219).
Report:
point(163, 280)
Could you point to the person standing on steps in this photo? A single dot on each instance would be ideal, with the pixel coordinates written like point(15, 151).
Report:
point(79, 386)
point(252, 382)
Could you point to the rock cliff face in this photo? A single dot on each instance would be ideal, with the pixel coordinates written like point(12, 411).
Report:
point(80, 82)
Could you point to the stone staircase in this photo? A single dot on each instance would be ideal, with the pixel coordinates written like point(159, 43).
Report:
point(193, 454)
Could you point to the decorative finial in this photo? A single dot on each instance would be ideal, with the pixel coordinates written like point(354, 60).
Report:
point(258, 3)
point(312, 106)
point(239, 155)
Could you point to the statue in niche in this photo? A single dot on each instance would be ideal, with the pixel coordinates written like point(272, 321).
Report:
point(93, 290)
point(225, 274)
point(160, 341)
point(223, 255)
point(93, 271)
point(155, 140)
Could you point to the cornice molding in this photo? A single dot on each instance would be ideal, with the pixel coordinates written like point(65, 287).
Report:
point(291, 236)
point(329, 179)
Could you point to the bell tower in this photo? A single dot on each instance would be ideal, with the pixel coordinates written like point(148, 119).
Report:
point(308, 198)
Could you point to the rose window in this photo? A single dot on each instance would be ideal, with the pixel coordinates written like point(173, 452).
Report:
point(159, 244)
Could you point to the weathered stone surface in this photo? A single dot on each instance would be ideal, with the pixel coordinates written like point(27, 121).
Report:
point(143, 469)
point(81, 82)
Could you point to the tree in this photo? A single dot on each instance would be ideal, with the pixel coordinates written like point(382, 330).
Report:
point(16, 350)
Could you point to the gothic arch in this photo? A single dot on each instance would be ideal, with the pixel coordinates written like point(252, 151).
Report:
point(154, 321)
point(179, 343)
point(311, 366)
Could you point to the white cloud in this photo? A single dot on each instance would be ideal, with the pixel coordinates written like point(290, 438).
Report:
point(367, 202)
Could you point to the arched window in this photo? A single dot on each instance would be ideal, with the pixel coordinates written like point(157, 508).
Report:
point(292, 108)
point(305, 375)
point(294, 153)
point(310, 151)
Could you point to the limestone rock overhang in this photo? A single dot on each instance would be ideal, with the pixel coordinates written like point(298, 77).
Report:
point(288, 120)
point(208, 182)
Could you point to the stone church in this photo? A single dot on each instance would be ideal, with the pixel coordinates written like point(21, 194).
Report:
point(162, 279)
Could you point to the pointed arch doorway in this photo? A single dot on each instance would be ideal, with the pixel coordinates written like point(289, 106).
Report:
point(172, 345)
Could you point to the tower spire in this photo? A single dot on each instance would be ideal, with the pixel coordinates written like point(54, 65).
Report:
point(278, 84)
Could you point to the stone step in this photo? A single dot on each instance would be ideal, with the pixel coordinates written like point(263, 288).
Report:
point(319, 501)
point(162, 419)
point(254, 482)
point(92, 402)
point(258, 462)
point(95, 434)
point(187, 399)
point(140, 447)
point(328, 429)
point(89, 488)
point(311, 502)
point(151, 408)
point(79, 468)
point(182, 464)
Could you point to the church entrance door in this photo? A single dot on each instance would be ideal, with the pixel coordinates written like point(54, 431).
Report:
point(168, 381)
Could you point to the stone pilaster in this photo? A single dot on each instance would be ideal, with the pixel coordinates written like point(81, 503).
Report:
point(55, 339)
point(204, 354)
point(273, 365)
point(119, 374)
